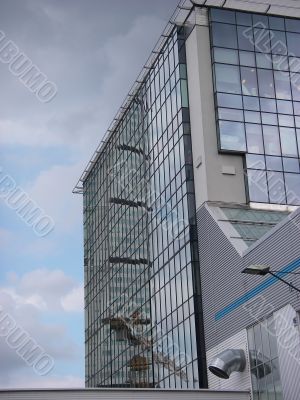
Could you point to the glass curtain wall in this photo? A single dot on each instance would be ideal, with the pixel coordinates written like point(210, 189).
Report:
point(263, 352)
point(142, 291)
point(256, 64)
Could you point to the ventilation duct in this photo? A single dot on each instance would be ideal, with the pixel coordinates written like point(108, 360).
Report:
point(228, 361)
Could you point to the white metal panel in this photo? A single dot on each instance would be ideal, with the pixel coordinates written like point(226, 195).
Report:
point(247, 5)
point(286, 11)
point(122, 394)
point(237, 380)
point(216, 3)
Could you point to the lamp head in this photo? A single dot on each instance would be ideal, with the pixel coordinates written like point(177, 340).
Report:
point(256, 269)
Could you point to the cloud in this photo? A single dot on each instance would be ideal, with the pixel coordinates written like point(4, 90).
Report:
point(52, 191)
point(52, 338)
point(81, 126)
point(74, 300)
point(28, 300)
point(6, 237)
point(45, 289)
point(29, 381)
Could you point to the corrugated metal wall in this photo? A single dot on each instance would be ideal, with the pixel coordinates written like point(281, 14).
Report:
point(223, 282)
point(237, 380)
point(124, 394)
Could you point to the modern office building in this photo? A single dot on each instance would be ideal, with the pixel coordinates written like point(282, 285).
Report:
point(197, 179)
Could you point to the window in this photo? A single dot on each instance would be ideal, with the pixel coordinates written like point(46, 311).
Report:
point(251, 103)
point(232, 136)
point(229, 100)
point(288, 142)
point(265, 83)
point(243, 18)
point(291, 165)
point(278, 42)
point(295, 82)
point(276, 23)
point(262, 40)
point(254, 138)
point(231, 114)
point(224, 35)
point(273, 163)
point(227, 56)
point(263, 61)
point(271, 140)
point(293, 43)
point(276, 187)
point(280, 62)
point(245, 38)
point(293, 188)
point(247, 58)
point(282, 85)
point(285, 107)
point(257, 92)
point(268, 105)
point(249, 81)
point(255, 161)
point(257, 186)
point(222, 15)
point(263, 352)
point(227, 78)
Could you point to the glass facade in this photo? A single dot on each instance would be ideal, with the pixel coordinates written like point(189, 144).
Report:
point(265, 373)
point(256, 65)
point(142, 286)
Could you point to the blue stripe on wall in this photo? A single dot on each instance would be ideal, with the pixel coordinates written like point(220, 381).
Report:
point(258, 289)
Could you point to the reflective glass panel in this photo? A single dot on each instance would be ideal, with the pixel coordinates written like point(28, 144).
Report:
point(227, 56)
point(262, 40)
point(278, 42)
point(274, 163)
point(251, 103)
point(257, 183)
point(245, 38)
point(271, 140)
point(249, 81)
point(229, 100)
point(232, 136)
point(224, 35)
point(247, 58)
point(254, 138)
point(291, 165)
point(293, 43)
point(255, 161)
point(268, 105)
point(228, 78)
point(263, 60)
point(231, 114)
point(243, 18)
point(282, 85)
point(269, 119)
point(276, 187)
point(293, 188)
point(265, 83)
point(288, 142)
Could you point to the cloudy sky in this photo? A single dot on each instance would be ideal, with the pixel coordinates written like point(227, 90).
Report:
point(92, 50)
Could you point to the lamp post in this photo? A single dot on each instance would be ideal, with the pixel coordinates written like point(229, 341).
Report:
point(263, 270)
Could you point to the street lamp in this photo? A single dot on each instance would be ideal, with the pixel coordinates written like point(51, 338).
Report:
point(262, 270)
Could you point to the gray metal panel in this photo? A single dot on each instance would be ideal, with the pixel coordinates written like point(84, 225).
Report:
point(223, 283)
point(124, 394)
